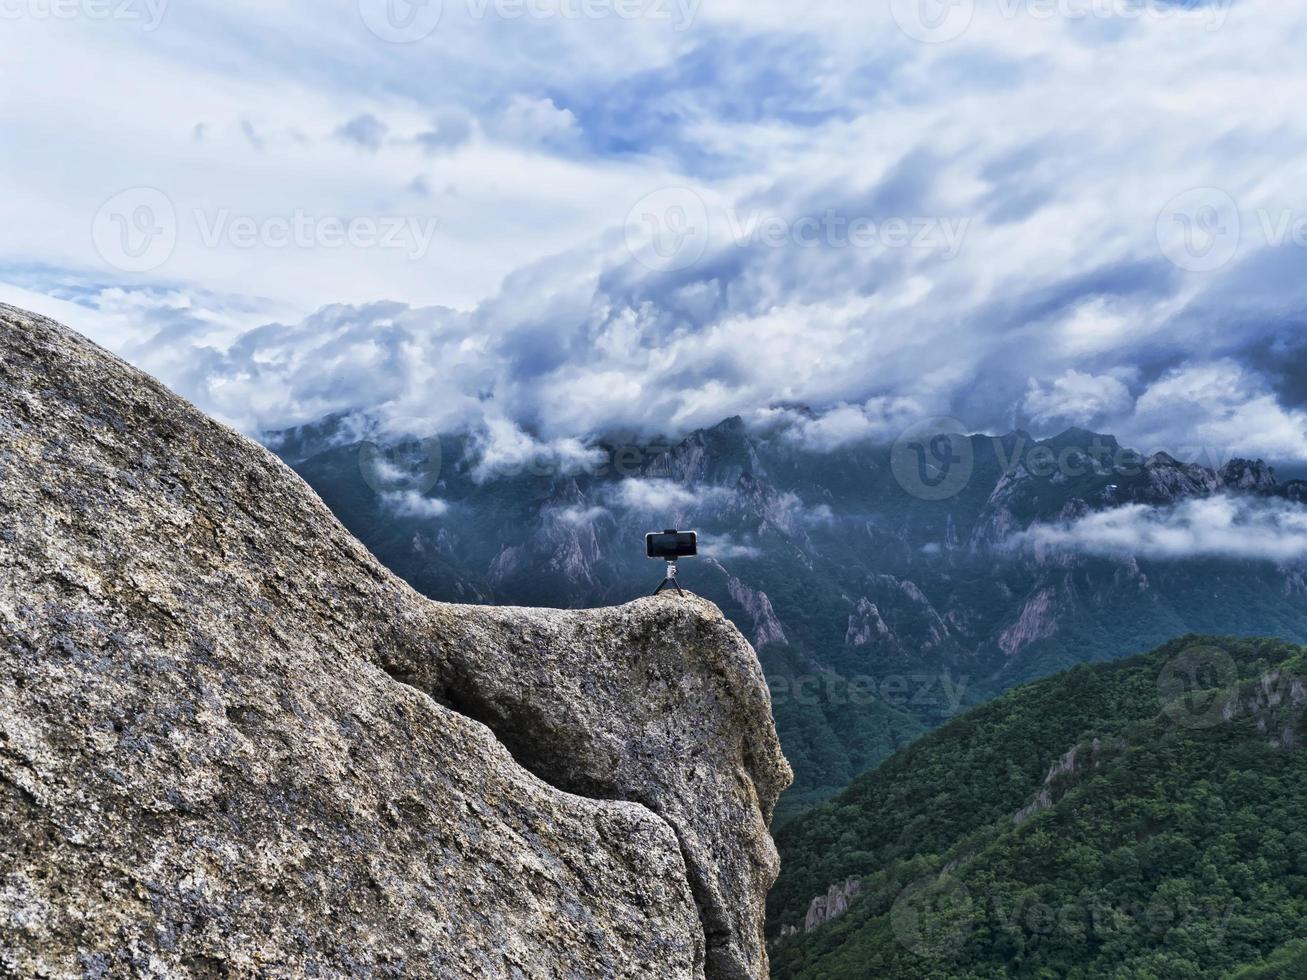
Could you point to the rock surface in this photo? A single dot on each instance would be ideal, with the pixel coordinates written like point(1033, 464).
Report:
point(231, 743)
point(833, 905)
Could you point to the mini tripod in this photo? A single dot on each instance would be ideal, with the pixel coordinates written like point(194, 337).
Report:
point(670, 581)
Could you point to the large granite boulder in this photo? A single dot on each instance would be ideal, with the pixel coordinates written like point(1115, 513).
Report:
point(232, 744)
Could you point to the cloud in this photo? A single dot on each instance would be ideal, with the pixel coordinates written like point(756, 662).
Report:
point(501, 448)
point(663, 496)
point(1224, 407)
point(1076, 398)
point(1216, 527)
point(581, 516)
point(251, 134)
point(536, 121)
point(879, 419)
point(529, 311)
point(726, 548)
point(366, 131)
point(450, 128)
point(410, 503)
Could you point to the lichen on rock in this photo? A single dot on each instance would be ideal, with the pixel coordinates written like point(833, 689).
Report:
point(232, 744)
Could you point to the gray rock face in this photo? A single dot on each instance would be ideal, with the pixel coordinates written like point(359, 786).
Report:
point(231, 743)
point(833, 905)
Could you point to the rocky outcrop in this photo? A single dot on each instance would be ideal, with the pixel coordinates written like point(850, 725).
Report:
point(832, 905)
point(1037, 621)
point(1066, 773)
point(1248, 476)
point(757, 606)
point(1275, 704)
point(231, 743)
point(866, 624)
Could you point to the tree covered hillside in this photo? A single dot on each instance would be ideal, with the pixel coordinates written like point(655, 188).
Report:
point(1141, 819)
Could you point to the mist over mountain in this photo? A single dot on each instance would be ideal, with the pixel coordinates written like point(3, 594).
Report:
point(886, 586)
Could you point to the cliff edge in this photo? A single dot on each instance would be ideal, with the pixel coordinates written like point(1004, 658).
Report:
point(232, 744)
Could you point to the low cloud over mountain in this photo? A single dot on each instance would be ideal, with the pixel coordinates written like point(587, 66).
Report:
point(883, 228)
point(1223, 526)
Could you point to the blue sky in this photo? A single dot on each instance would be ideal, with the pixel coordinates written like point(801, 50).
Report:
point(542, 219)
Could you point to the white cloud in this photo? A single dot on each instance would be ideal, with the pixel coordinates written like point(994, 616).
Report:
point(1215, 527)
point(659, 496)
point(502, 448)
point(1076, 398)
point(1060, 141)
point(410, 503)
point(1222, 406)
point(879, 419)
point(581, 516)
point(529, 120)
point(726, 548)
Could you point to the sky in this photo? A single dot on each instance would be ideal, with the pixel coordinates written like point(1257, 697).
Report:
point(543, 220)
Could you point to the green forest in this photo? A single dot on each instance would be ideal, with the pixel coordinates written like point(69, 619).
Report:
point(1173, 845)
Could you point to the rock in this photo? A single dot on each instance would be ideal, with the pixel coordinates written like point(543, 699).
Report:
point(1037, 621)
point(1248, 476)
point(1066, 773)
point(231, 743)
point(866, 624)
point(832, 905)
point(757, 606)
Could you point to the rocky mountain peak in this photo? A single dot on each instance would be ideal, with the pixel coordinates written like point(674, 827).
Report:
point(234, 744)
point(1248, 475)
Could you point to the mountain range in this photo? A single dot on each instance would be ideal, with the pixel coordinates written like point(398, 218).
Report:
point(884, 591)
